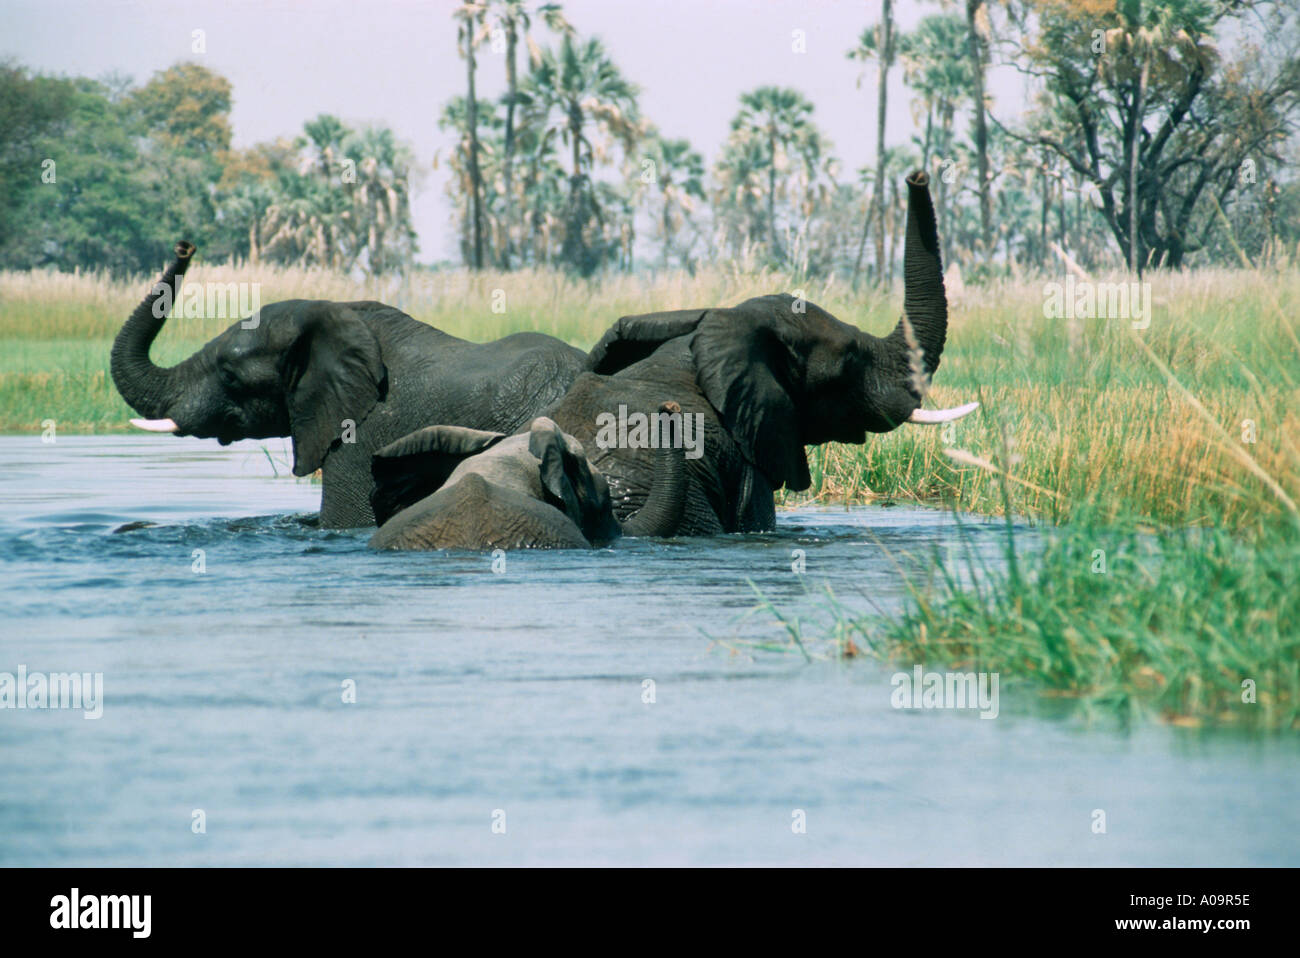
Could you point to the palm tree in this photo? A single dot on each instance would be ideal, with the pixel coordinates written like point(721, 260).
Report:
point(469, 36)
point(877, 43)
point(381, 198)
point(569, 92)
point(977, 25)
point(543, 189)
point(325, 142)
point(454, 118)
point(780, 119)
point(515, 20)
point(679, 176)
point(738, 199)
point(942, 81)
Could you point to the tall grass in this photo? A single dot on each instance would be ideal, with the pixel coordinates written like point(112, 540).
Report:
point(1167, 459)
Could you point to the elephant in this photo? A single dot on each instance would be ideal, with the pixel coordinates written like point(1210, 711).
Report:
point(342, 379)
point(446, 487)
point(765, 379)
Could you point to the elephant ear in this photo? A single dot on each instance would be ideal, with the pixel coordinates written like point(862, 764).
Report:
point(747, 366)
point(633, 338)
point(333, 371)
point(418, 464)
point(569, 482)
point(564, 466)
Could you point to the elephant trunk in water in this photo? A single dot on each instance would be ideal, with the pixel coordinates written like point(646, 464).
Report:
point(147, 388)
point(662, 513)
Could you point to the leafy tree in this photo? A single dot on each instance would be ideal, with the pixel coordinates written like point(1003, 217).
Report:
point(573, 93)
point(32, 111)
point(772, 132)
point(514, 19)
point(99, 209)
point(679, 180)
point(1142, 104)
point(470, 33)
point(185, 107)
point(877, 43)
point(943, 82)
point(977, 34)
point(459, 190)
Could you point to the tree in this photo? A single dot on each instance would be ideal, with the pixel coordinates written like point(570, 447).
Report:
point(943, 82)
point(460, 190)
point(572, 91)
point(328, 207)
point(878, 43)
point(977, 30)
point(679, 178)
point(1142, 105)
point(33, 109)
point(469, 36)
point(778, 121)
point(380, 197)
point(187, 107)
point(101, 207)
point(513, 18)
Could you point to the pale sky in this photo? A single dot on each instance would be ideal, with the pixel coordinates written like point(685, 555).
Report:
point(394, 62)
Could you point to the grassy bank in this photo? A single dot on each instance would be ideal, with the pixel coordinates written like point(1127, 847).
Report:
point(1173, 449)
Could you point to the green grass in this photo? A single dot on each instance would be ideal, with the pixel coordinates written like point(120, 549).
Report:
point(1130, 441)
point(1190, 626)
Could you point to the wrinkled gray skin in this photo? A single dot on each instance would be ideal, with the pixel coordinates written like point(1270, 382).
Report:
point(534, 490)
point(770, 376)
point(309, 365)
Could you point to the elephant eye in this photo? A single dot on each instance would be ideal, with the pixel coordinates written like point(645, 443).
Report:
point(227, 375)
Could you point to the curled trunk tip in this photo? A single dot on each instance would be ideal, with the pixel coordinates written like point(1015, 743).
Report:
point(146, 388)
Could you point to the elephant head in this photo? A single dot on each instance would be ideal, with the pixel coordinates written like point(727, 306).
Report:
point(783, 373)
point(298, 368)
point(448, 487)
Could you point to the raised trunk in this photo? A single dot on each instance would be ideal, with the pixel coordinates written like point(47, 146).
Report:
point(924, 302)
point(662, 513)
point(149, 389)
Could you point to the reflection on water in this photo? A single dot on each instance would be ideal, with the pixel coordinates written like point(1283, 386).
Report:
point(520, 697)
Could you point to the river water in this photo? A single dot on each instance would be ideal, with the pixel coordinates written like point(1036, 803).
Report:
point(571, 708)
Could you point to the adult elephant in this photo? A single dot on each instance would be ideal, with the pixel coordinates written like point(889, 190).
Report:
point(765, 378)
point(342, 379)
point(444, 487)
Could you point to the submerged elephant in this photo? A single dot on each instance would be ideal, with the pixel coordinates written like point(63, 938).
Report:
point(445, 487)
point(342, 379)
point(765, 379)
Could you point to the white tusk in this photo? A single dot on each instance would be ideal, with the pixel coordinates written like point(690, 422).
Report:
point(155, 425)
point(933, 416)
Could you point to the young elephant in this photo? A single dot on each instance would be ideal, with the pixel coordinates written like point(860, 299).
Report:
point(445, 487)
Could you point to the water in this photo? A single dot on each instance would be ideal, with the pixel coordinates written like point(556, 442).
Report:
point(518, 697)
